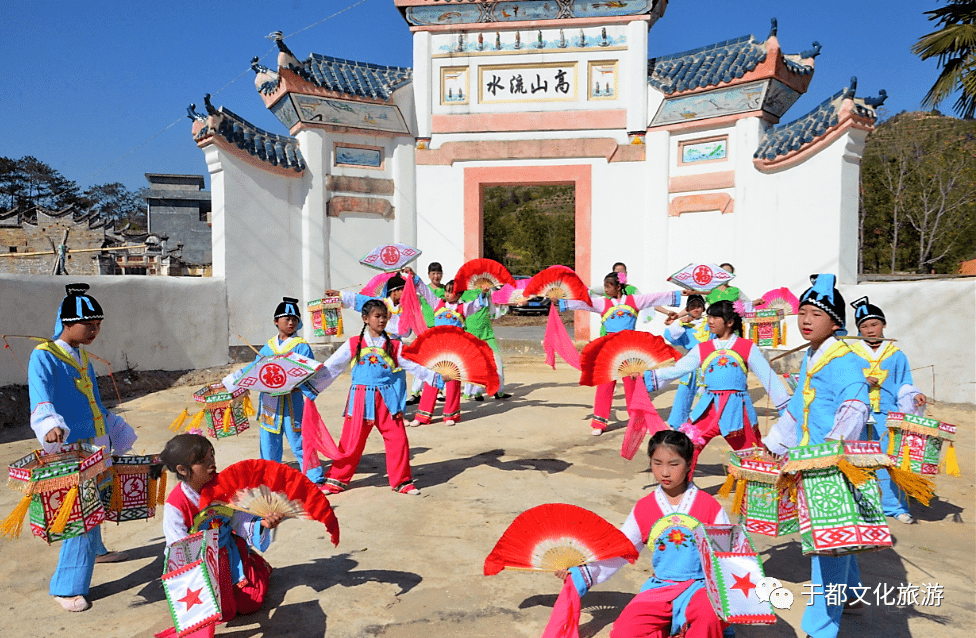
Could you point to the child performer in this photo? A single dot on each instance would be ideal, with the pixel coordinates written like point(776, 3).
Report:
point(674, 599)
point(392, 292)
point(830, 403)
point(449, 311)
point(244, 574)
point(621, 269)
point(375, 399)
point(687, 330)
point(619, 312)
point(890, 388)
point(723, 365)
point(66, 407)
point(283, 414)
point(479, 324)
point(435, 272)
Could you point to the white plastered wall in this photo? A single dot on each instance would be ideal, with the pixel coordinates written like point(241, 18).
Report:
point(257, 241)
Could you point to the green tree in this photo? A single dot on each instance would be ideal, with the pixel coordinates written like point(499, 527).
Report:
point(953, 44)
point(115, 202)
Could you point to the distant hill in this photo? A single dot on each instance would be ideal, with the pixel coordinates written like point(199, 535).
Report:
point(528, 228)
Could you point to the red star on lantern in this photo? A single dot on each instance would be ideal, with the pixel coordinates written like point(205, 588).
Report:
point(192, 598)
point(743, 583)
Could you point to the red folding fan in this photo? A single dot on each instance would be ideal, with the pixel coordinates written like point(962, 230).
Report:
point(557, 536)
point(780, 299)
point(557, 282)
point(457, 355)
point(374, 287)
point(622, 354)
point(262, 487)
point(479, 274)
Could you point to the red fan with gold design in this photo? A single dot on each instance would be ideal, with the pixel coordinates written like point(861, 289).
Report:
point(557, 536)
point(479, 274)
point(780, 299)
point(457, 355)
point(557, 282)
point(622, 354)
point(262, 487)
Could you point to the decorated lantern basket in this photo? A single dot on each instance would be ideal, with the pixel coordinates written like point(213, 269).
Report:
point(762, 508)
point(326, 316)
point(224, 411)
point(732, 568)
point(60, 492)
point(836, 516)
point(191, 582)
point(133, 494)
point(915, 443)
point(766, 327)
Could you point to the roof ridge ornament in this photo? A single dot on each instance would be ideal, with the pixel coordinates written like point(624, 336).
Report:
point(811, 53)
point(773, 28)
point(286, 58)
point(875, 102)
point(209, 105)
point(852, 89)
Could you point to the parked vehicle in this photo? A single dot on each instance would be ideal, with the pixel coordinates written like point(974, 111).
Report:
point(535, 306)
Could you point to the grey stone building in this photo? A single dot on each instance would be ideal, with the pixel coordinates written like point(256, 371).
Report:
point(179, 209)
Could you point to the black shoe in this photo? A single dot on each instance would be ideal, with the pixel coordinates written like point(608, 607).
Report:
point(440, 398)
point(414, 399)
point(499, 396)
point(479, 397)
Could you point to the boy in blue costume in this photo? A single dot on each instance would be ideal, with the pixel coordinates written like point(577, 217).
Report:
point(687, 330)
point(830, 403)
point(890, 389)
point(282, 414)
point(66, 407)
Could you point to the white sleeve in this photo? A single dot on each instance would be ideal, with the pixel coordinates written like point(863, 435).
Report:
point(173, 527)
point(44, 419)
point(782, 434)
point(769, 379)
point(348, 298)
point(575, 304)
point(230, 381)
point(849, 421)
point(120, 433)
point(721, 518)
point(424, 291)
point(424, 374)
point(906, 400)
point(332, 368)
point(675, 331)
point(601, 571)
point(668, 298)
point(688, 363)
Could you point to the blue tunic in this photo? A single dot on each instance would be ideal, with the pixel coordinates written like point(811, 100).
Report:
point(285, 411)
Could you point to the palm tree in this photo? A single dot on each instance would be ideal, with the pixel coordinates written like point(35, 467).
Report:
point(954, 44)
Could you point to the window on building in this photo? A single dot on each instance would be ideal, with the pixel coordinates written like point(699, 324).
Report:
point(13, 249)
point(205, 212)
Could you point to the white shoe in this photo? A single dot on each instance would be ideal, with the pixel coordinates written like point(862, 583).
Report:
point(905, 518)
point(449, 422)
point(413, 424)
point(73, 603)
point(596, 431)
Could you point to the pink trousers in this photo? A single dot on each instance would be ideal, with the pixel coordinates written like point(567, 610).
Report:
point(649, 614)
point(604, 401)
point(452, 402)
point(354, 437)
point(707, 428)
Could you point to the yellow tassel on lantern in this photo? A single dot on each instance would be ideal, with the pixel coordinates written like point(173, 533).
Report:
point(891, 442)
point(726, 489)
point(195, 421)
point(740, 495)
point(160, 489)
point(906, 461)
point(248, 407)
point(116, 503)
point(64, 512)
point(951, 463)
point(854, 474)
point(10, 527)
point(918, 487)
point(178, 421)
point(228, 416)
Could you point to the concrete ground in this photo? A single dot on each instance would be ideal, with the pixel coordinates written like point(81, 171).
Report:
point(412, 566)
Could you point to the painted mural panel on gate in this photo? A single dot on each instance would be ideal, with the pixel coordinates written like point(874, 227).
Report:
point(735, 99)
point(319, 110)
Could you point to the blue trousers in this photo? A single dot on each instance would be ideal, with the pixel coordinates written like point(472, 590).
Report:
point(683, 398)
point(893, 500)
point(272, 449)
point(72, 576)
point(821, 620)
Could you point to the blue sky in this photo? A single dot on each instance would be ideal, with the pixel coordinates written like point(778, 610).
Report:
point(92, 87)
